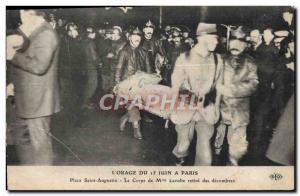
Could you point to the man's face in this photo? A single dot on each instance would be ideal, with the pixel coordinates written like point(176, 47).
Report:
point(27, 16)
point(108, 35)
point(185, 34)
point(134, 40)
point(60, 22)
point(206, 41)
point(148, 31)
point(268, 35)
point(177, 40)
point(115, 35)
point(255, 37)
point(212, 42)
point(92, 35)
point(168, 28)
point(52, 17)
point(101, 31)
point(236, 46)
point(191, 42)
point(287, 16)
point(73, 32)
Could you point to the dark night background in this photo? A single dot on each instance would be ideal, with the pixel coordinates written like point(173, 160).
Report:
point(97, 140)
point(251, 16)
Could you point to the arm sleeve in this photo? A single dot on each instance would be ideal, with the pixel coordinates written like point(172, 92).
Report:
point(220, 70)
point(178, 74)
point(119, 67)
point(37, 59)
point(116, 52)
point(245, 87)
point(161, 49)
point(147, 64)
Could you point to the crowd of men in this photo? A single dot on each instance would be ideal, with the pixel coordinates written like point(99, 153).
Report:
point(248, 77)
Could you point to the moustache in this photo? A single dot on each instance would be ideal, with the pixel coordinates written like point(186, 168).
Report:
point(234, 49)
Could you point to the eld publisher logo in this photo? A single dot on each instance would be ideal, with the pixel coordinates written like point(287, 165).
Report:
point(276, 176)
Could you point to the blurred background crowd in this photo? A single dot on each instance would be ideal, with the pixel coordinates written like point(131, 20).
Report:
point(92, 38)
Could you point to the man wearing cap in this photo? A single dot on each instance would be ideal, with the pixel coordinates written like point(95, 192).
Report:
point(198, 71)
point(132, 58)
point(167, 30)
point(256, 42)
point(72, 72)
point(60, 27)
point(152, 45)
point(91, 66)
point(239, 83)
point(52, 21)
point(173, 52)
point(104, 45)
point(186, 37)
point(36, 88)
point(117, 44)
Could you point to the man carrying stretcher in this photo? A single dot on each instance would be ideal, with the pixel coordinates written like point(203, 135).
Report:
point(197, 72)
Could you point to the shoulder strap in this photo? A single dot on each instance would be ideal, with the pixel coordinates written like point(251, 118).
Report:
point(216, 66)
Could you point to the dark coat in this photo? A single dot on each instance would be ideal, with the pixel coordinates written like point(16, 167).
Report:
point(103, 46)
point(71, 56)
point(174, 52)
point(172, 55)
point(35, 75)
point(130, 61)
point(271, 74)
point(91, 56)
point(153, 47)
point(115, 49)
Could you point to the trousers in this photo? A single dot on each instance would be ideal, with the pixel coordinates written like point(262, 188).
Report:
point(133, 115)
point(237, 141)
point(33, 141)
point(185, 135)
point(91, 84)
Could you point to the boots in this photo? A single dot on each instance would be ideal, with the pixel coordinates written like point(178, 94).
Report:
point(123, 122)
point(137, 130)
point(232, 161)
point(179, 161)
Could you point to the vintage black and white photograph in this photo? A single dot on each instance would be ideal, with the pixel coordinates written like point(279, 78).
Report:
point(166, 86)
